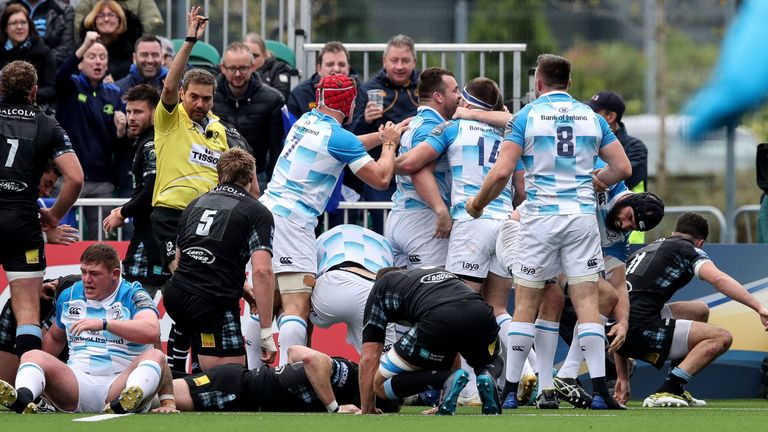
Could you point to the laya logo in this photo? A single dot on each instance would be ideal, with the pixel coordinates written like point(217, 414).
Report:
point(437, 277)
point(286, 261)
point(527, 270)
point(414, 259)
point(200, 254)
point(470, 266)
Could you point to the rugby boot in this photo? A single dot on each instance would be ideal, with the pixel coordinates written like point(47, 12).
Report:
point(451, 389)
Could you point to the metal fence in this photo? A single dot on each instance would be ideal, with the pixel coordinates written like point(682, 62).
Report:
point(359, 213)
point(446, 55)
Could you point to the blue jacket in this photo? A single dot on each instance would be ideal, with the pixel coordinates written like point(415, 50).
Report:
point(301, 100)
point(399, 102)
point(87, 114)
point(134, 78)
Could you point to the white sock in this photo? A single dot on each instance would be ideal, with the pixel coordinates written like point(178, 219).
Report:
point(252, 336)
point(603, 319)
point(572, 363)
point(520, 340)
point(146, 376)
point(503, 320)
point(533, 360)
point(293, 331)
point(31, 376)
point(471, 388)
point(592, 341)
point(546, 345)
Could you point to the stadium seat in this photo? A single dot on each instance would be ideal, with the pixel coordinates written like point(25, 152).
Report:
point(282, 52)
point(203, 54)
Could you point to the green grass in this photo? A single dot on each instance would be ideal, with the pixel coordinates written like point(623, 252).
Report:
point(720, 415)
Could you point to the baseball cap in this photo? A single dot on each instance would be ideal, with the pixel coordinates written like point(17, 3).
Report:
point(607, 100)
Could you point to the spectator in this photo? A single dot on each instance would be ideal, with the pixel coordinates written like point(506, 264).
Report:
point(397, 81)
point(275, 73)
point(332, 59)
point(168, 51)
point(251, 107)
point(19, 41)
point(118, 30)
point(147, 67)
point(90, 110)
point(55, 23)
point(610, 106)
point(146, 11)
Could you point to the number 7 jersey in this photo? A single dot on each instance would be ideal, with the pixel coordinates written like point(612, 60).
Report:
point(561, 138)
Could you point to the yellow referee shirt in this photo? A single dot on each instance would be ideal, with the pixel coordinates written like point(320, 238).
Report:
point(187, 155)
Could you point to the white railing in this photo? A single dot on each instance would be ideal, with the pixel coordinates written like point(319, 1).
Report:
point(306, 55)
point(747, 212)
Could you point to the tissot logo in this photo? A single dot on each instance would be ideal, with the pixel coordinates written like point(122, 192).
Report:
point(286, 260)
point(200, 254)
point(414, 259)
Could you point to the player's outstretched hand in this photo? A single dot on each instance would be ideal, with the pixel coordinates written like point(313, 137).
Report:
point(268, 347)
point(617, 336)
point(349, 409)
point(371, 411)
point(165, 409)
point(471, 209)
point(114, 220)
point(196, 23)
point(764, 317)
point(389, 132)
point(621, 391)
point(47, 220)
point(63, 235)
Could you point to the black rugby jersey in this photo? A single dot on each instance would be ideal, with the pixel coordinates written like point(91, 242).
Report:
point(405, 296)
point(218, 232)
point(28, 140)
point(657, 271)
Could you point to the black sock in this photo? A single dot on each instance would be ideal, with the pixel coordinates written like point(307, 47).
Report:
point(27, 342)
point(509, 387)
point(599, 385)
point(413, 383)
point(177, 348)
point(673, 384)
point(23, 398)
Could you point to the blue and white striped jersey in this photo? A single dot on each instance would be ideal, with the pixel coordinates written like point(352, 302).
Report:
point(472, 148)
point(406, 197)
point(316, 150)
point(353, 243)
point(561, 138)
point(102, 352)
point(614, 242)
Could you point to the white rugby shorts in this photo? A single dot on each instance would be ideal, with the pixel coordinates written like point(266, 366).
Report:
point(472, 248)
point(339, 297)
point(293, 247)
point(410, 232)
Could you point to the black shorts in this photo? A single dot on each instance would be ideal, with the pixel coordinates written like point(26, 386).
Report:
point(649, 341)
point(23, 248)
point(214, 329)
point(165, 225)
point(466, 327)
point(144, 264)
point(219, 388)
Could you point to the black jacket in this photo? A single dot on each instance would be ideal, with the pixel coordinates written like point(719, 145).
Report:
point(301, 100)
point(59, 26)
point(257, 116)
point(399, 104)
point(41, 57)
point(277, 75)
point(637, 153)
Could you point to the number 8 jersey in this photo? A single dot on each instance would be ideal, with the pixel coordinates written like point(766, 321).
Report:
point(561, 138)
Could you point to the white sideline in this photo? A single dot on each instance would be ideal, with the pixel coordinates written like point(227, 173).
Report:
point(100, 417)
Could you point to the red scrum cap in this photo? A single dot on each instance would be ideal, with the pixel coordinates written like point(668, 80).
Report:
point(337, 93)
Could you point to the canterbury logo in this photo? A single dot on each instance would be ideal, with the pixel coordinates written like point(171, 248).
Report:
point(414, 259)
point(286, 260)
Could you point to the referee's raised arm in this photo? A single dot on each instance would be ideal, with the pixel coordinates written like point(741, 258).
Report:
point(196, 25)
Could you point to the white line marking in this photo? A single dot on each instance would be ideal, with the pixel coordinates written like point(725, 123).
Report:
point(100, 417)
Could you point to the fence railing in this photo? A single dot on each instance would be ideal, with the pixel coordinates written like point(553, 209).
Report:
point(430, 55)
point(747, 212)
point(359, 212)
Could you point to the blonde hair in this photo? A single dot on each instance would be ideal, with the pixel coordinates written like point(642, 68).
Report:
point(89, 22)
